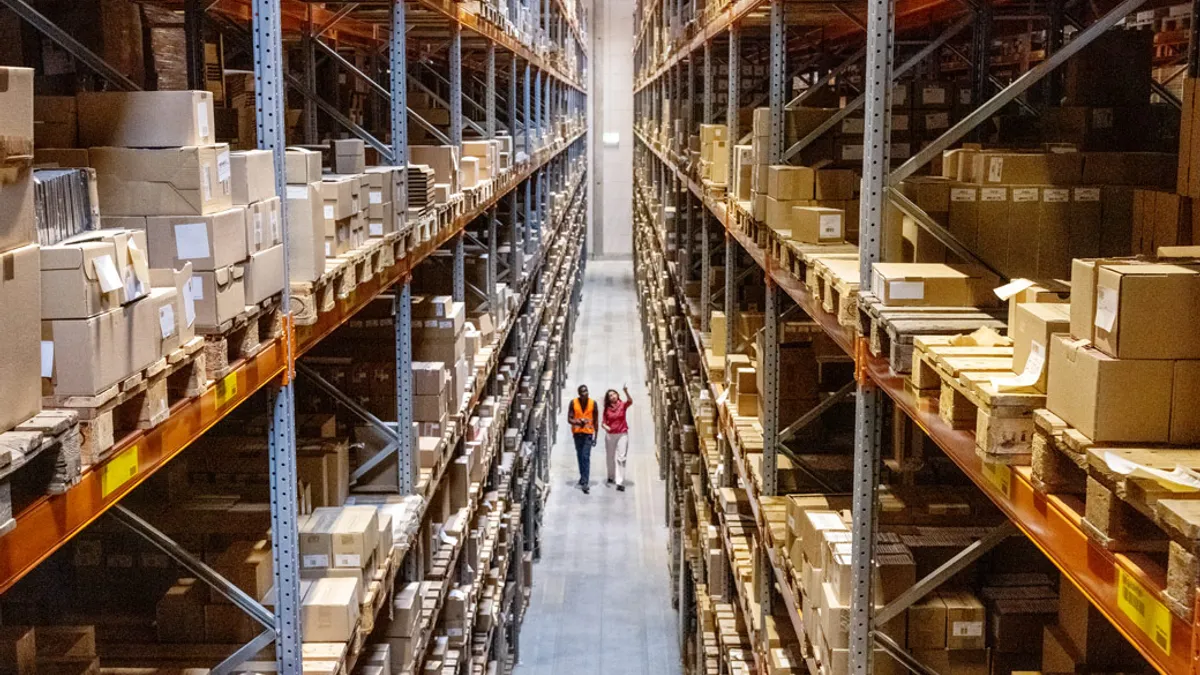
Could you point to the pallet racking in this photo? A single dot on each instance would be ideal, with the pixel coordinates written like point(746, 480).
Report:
point(814, 44)
point(545, 45)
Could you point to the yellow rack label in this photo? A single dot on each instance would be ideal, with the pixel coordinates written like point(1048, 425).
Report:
point(1144, 610)
point(999, 476)
point(227, 390)
point(119, 471)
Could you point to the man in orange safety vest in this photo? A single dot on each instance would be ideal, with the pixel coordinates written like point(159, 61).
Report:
point(582, 416)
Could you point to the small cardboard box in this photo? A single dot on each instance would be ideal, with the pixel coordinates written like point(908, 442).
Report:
point(349, 156)
point(306, 233)
point(253, 176)
point(330, 610)
point(429, 378)
point(927, 623)
point(1109, 399)
point(816, 224)
point(355, 536)
point(146, 119)
point(264, 274)
point(790, 182)
point(384, 184)
point(927, 284)
point(93, 272)
point(1140, 308)
point(381, 219)
point(965, 619)
point(1035, 323)
point(21, 361)
point(341, 198)
point(156, 311)
point(185, 307)
point(184, 181)
point(208, 242)
point(219, 295)
point(263, 225)
point(836, 184)
point(303, 166)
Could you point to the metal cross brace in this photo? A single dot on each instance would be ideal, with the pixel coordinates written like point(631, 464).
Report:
point(815, 412)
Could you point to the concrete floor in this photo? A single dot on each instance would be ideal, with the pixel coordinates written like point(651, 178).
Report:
point(601, 593)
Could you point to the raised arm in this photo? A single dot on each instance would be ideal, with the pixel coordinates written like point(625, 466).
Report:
point(628, 398)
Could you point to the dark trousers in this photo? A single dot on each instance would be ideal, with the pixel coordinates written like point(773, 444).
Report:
point(583, 452)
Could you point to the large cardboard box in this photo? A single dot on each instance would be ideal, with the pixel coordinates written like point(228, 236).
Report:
point(1035, 323)
point(341, 197)
point(219, 295)
point(185, 181)
point(185, 306)
point(21, 359)
point(790, 182)
point(87, 356)
point(146, 119)
point(253, 176)
point(1026, 168)
point(443, 159)
point(349, 155)
point(208, 242)
point(381, 219)
point(330, 610)
point(1140, 310)
point(264, 274)
point(384, 184)
point(16, 141)
point(816, 224)
point(306, 233)
point(55, 122)
point(93, 272)
point(928, 284)
point(154, 317)
point(927, 623)
point(965, 619)
point(264, 225)
point(303, 166)
point(1109, 399)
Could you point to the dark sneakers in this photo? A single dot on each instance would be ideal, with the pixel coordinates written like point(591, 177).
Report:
point(586, 491)
point(610, 482)
point(620, 488)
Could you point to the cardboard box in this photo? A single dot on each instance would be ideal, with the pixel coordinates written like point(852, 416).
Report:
point(219, 295)
point(87, 356)
point(341, 198)
point(836, 184)
point(303, 166)
point(429, 407)
point(155, 315)
point(55, 122)
point(384, 184)
point(1025, 168)
point(965, 619)
point(146, 119)
point(1109, 399)
point(185, 181)
point(349, 156)
point(208, 242)
point(815, 224)
point(1140, 309)
point(330, 610)
point(790, 182)
point(64, 158)
point(443, 159)
point(928, 284)
point(1035, 323)
point(306, 233)
point(429, 378)
point(927, 623)
point(263, 225)
point(381, 219)
point(93, 272)
point(263, 276)
point(253, 176)
point(16, 141)
point(21, 360)
point(185, 308)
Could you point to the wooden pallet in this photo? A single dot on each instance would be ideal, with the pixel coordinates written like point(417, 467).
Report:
point(40, 456)
point(891, 330)
point(1059, 460)
point(141, 401)
point(838, 279)
point(968, 398)
point(242, 337)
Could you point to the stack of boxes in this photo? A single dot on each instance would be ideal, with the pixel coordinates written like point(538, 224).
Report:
point(443, 160)
point(340, 550)
point(438, 337)
point(431, 397)
point(811, 206)
point(253, 180)
point(345, 199)
point(20, 285)
point(385, 192)
point(306, 216)
point(714, 153)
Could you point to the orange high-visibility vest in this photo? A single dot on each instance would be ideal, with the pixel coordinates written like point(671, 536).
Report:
point(588, 427)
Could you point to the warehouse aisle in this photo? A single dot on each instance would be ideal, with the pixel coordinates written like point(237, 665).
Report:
point(601, 594)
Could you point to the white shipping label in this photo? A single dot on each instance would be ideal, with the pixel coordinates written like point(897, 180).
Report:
point(275, 234)
point(826, 521)
point(967, 628)
point(995, 170)
point(205, 184)
point(315, 561)
point(166, 320)
point(964, 96)
point(1012, 288)
point(191, 241)
point(376, 197)
point(197, 284)
point(47, 358)
point(1025, 195)
point(1087, 194)
point(830, 226)
point(993, 194)
point(1036, 362)
point(933, 95)
point(189, 301)
point(906, 290)
point(347, 560)
point(376, 228)
point(328, 250)
point(1106, 308)
point(106, 272)
point(935, 121)
point(258, 228)
point(223, 171)
point(202, 119)
point(329, 212)
point(1056, 195)
point(963, 195)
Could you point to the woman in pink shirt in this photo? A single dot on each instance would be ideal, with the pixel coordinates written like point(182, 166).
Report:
point(616, 435)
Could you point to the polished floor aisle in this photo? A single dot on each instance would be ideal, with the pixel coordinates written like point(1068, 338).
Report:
point(601, 595)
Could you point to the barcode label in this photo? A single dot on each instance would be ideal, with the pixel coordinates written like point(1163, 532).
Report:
point(1144, 610)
